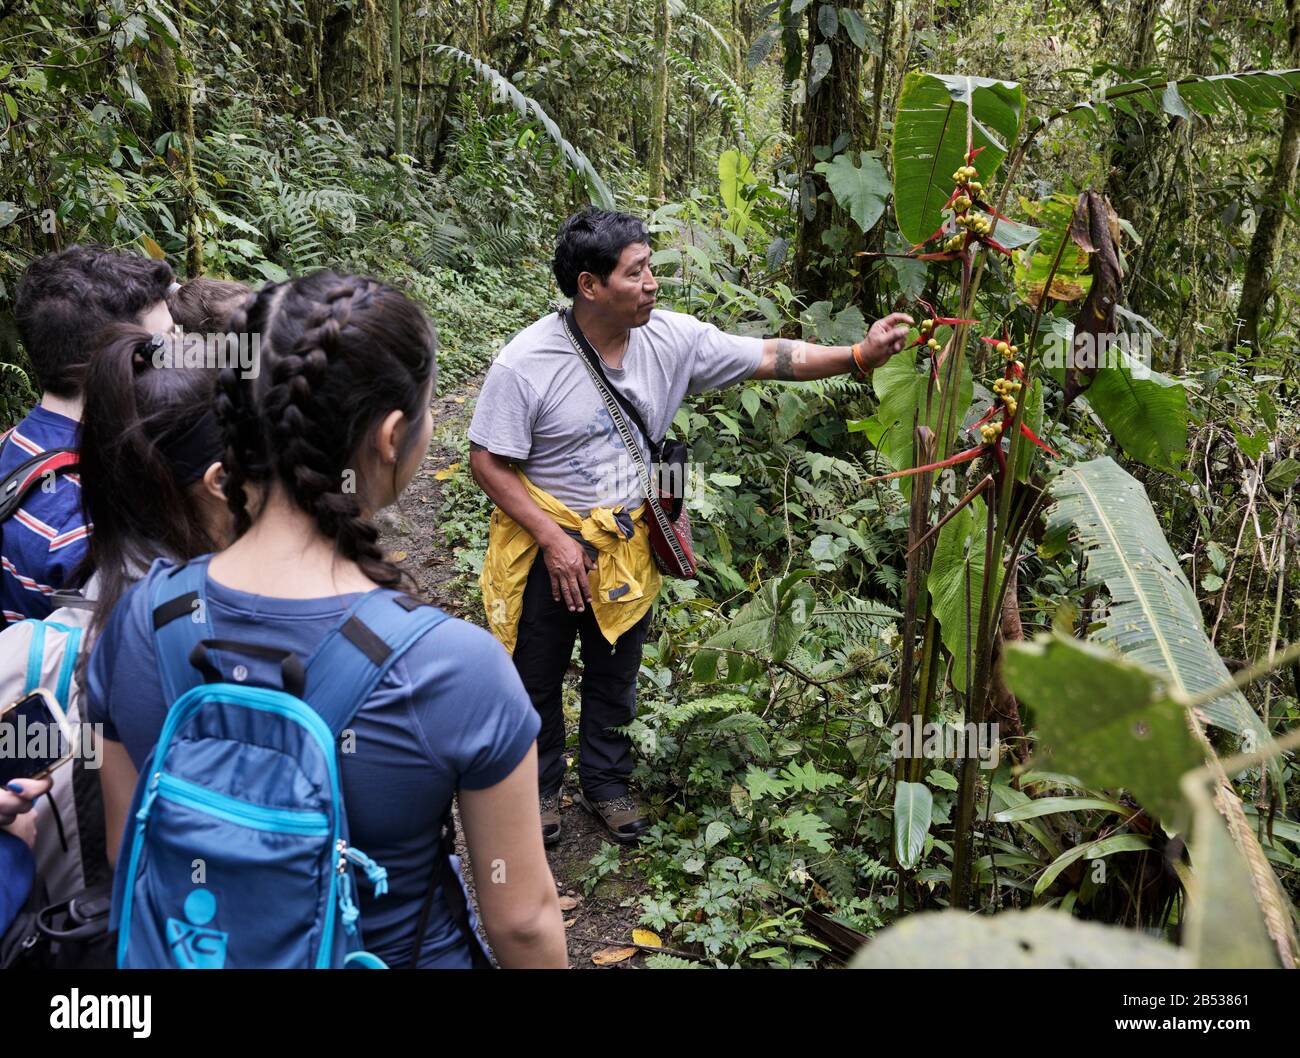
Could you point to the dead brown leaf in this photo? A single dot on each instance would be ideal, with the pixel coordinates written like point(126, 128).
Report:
point(609, 956)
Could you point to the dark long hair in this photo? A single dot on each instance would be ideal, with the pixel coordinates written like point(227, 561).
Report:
point(337, 352)
point(129, 486)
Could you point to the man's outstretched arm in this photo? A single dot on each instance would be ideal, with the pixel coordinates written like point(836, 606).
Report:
point(794, 361)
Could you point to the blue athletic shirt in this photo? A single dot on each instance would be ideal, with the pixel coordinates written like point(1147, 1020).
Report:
point(45, 540)
point(451, 713)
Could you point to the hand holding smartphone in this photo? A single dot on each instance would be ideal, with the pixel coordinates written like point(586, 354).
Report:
point(35, 737)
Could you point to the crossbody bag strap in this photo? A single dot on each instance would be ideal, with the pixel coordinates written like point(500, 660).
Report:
point(661, 517)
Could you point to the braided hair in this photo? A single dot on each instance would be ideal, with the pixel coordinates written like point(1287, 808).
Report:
point(337, 353)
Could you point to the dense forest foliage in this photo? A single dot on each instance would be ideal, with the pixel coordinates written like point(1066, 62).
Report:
point(1101, 197)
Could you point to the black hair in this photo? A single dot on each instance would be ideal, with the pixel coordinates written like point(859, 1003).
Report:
point(204, 304)
point(592, 241)
point(139, 400)
point(337, 352)
point(65, 299)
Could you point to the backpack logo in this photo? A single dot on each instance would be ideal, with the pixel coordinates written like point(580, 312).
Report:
point(193, 947)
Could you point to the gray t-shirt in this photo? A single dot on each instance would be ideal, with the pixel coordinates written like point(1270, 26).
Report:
point(540, 408)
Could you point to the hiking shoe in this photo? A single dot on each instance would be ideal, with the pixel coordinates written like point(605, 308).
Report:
point(550, 806)
point(621, 816)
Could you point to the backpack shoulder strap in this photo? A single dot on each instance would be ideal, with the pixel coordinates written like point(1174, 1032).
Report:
point(19, 481)
point(360, 649)
point(179, 604)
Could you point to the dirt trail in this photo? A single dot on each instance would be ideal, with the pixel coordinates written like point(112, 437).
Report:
point(412, 533)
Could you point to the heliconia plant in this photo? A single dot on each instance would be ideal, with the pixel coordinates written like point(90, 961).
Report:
point(968, 126)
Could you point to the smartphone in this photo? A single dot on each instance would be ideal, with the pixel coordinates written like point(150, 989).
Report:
point(35, 737)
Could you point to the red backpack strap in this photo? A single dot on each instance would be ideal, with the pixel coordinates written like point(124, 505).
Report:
point(24, 476)
point(56, 462)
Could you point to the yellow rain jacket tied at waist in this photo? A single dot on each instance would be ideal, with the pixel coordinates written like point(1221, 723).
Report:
point(623, 584)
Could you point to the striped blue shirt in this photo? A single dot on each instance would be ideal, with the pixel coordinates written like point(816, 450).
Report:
point(42, 545)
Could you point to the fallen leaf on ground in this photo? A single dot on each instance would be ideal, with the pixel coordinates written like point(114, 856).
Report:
point(569, 922)
point(609, 956)
point(459, 400)
point(447, 471)
point(568, 903)
point(396, 556)
point(646, 938)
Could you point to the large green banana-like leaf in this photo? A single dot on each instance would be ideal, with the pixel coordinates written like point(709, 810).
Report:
point(1106, 720)
point(503, 90)
point(936, 114)
point(1154, 616)
point(1253, 90)
point(913, 808)
point(1145, 411)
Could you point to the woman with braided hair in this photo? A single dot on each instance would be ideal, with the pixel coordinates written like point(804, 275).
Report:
point(329, 428)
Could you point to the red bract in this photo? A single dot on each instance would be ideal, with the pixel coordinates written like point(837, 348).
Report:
point(993, 410)
point(951, 461)
point(1027, 432)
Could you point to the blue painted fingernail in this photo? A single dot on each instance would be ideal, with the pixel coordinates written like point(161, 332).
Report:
point(13, 786)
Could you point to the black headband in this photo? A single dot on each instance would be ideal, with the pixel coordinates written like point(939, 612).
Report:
point(195, 448)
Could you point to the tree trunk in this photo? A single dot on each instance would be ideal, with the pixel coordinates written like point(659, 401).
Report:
point(1135, 137)
point(334, 57)
point(194, 235)
point(833, 111)
point(417, 146)
point(1268, 229)
point(395, 44)
point(521, 45)
point(659, 104)
point(882, 65)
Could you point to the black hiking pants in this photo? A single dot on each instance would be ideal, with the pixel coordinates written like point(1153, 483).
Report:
point(542, 652)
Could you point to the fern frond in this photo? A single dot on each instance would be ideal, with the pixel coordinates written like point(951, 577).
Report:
point(503, 90)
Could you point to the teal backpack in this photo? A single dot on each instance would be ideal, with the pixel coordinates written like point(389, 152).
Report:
point(244, 780)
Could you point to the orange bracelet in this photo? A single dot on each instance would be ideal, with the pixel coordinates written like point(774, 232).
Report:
point(857, 362)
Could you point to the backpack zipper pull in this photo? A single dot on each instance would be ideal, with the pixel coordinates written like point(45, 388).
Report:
point(347, 909)
point(375, 874)
point(150, 796)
